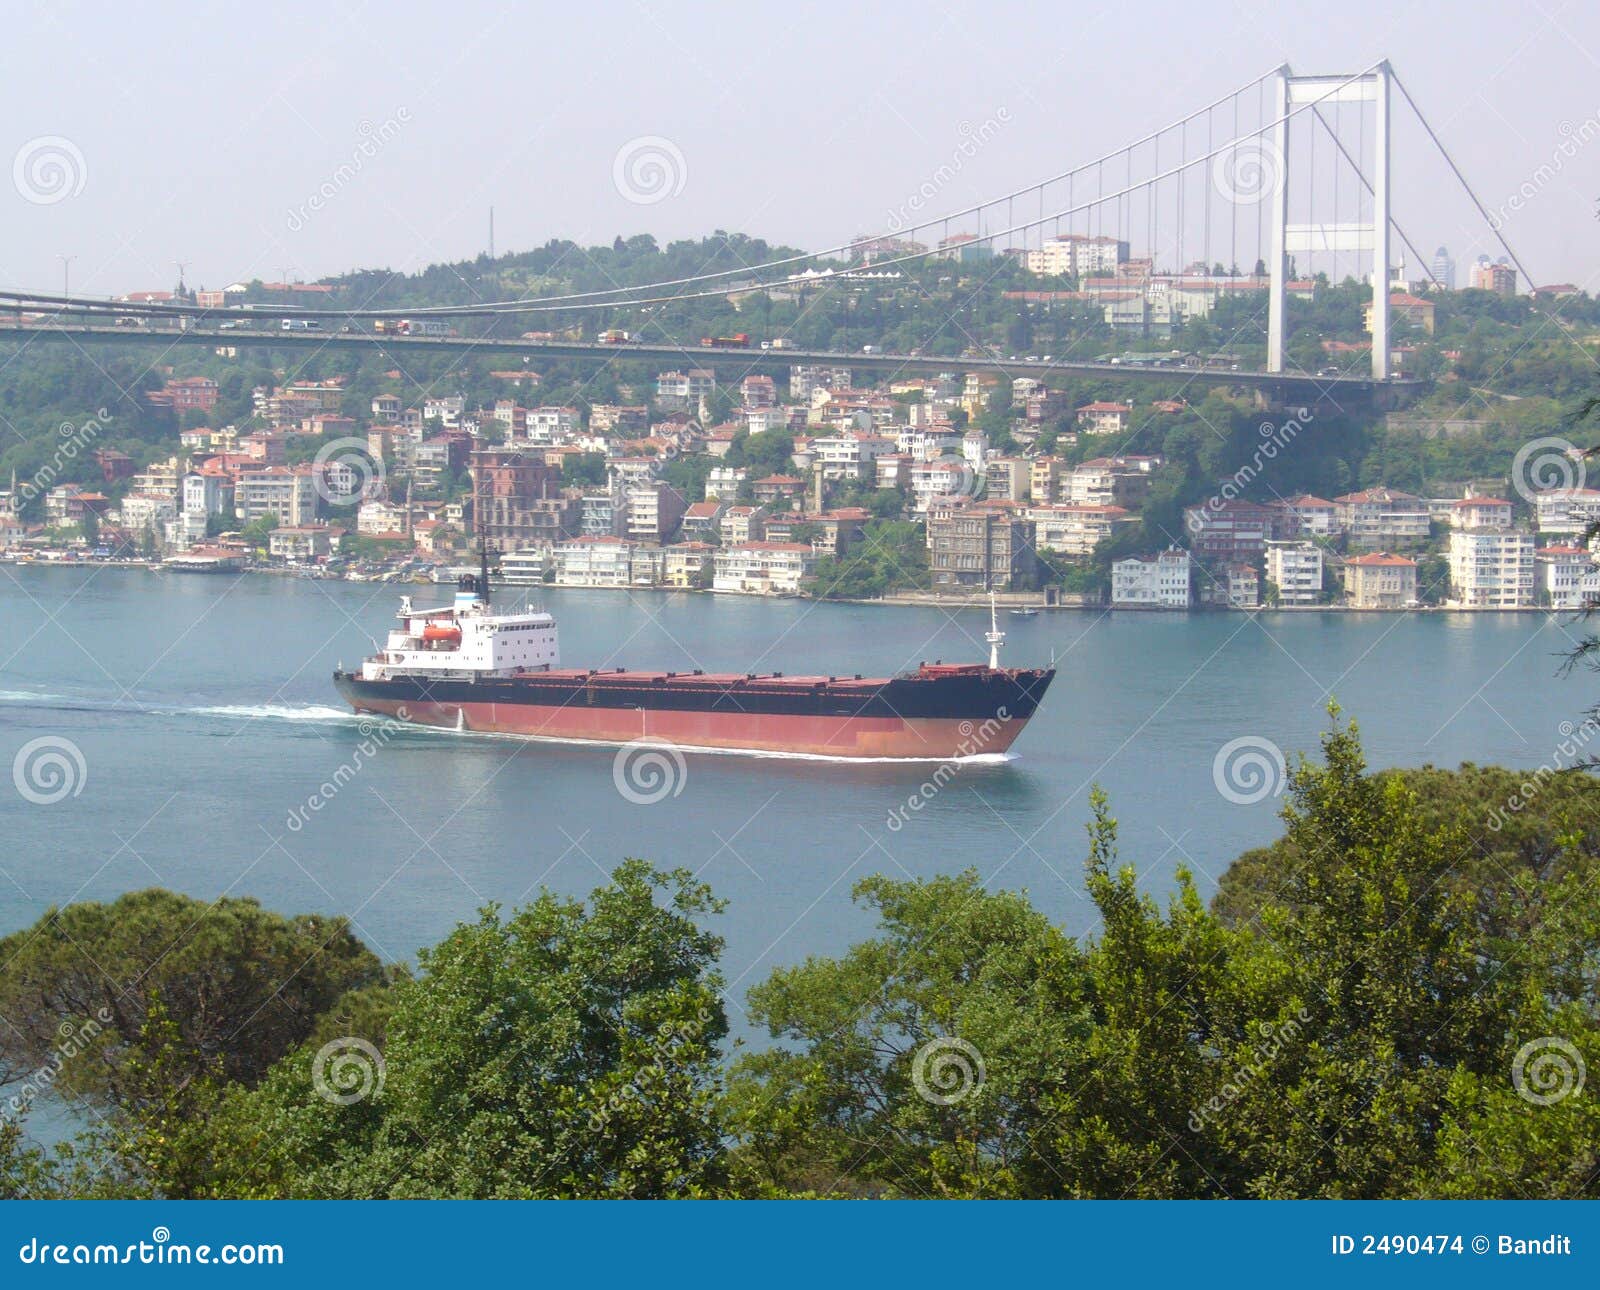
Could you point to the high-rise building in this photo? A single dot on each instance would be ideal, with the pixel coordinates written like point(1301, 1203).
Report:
point(1498, 277)
point(1444, 269)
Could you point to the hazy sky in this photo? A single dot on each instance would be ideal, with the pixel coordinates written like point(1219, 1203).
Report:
point(217, 136)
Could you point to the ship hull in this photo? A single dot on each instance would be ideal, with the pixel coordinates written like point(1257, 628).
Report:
point(960, 713)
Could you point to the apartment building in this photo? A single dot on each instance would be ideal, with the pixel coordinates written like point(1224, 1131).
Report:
point(987, 546)
point(1295, 569)
point(763, 568)
point(1491, 568)
point(1382, 517)
point(1162, 581)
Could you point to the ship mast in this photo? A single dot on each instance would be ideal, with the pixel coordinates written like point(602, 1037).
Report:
point(994, 635)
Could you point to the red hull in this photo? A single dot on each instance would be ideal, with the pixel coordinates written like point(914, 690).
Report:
point(932, 738)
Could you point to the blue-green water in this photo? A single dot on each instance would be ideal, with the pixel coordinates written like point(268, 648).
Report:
point(204, 716)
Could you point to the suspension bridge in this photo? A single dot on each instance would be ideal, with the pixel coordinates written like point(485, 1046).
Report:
point(1288, 174)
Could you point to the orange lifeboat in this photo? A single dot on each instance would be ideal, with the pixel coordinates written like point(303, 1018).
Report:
point(435, 635)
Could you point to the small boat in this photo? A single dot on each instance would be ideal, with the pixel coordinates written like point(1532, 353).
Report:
point(1027, 611)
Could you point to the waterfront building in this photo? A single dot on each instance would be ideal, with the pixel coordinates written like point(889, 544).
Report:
point(1380, 580)
point(1560, 574)
point(988, 546)
point(763, 568)
point(1382, 517)
point(1295, 569)
point(1491, 568)
point(1566, 511)
point(1162, 581)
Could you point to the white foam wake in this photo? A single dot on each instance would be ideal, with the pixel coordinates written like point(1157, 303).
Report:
point(274, 712)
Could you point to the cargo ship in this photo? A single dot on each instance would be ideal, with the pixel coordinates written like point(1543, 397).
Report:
point(465, 667)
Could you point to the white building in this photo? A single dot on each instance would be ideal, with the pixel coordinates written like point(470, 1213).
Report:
point(1295, 568)
point(852, 455)
point(1491, 568)
point(1566, 511)
point(763, 568)
point(1561, 573)
point(1480, 513)
point(288, 494)
point(1077, 255)
point(722, 483)
point(208, 492)
point(1075, 530)
point(1163, 581)
point(594, 562)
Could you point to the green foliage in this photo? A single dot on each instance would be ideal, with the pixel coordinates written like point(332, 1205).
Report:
point(568, 1050)
point(238, 985)
point(892, 556)
point(1396, 999)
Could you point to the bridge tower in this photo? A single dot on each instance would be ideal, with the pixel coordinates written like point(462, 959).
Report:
point(1291, 92)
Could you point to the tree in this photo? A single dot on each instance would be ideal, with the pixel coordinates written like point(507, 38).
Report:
point(570, 1049)
point(241, 985)
point(912, 1065)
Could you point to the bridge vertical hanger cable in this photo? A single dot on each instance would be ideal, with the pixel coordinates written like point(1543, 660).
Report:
point(1366, 185)
point(1183, 184)
point(1206, 195)
point(1456, 170)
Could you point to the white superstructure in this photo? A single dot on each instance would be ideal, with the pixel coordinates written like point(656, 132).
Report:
point(465, 640)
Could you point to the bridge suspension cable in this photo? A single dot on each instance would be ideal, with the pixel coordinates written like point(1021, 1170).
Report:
point(584, 301)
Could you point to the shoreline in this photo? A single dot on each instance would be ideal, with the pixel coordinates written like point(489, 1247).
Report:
point(894, 600)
